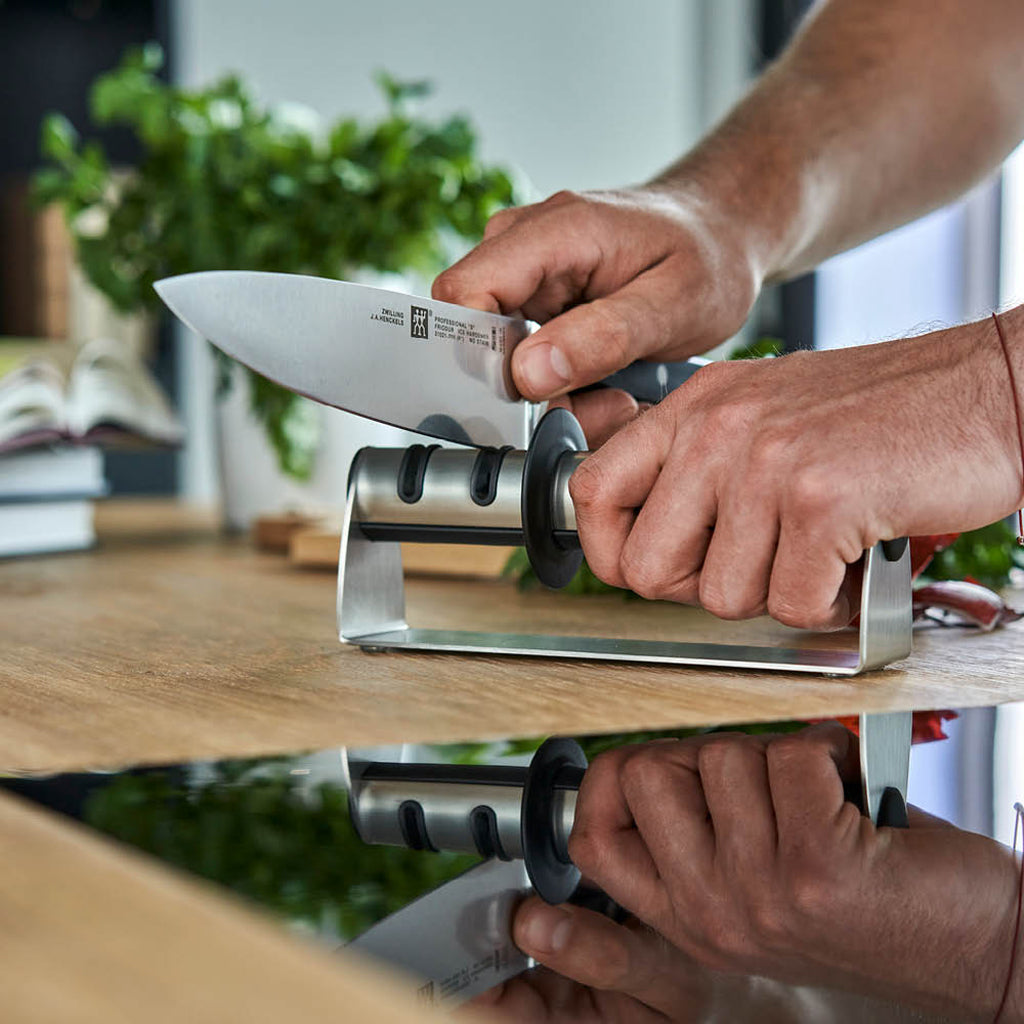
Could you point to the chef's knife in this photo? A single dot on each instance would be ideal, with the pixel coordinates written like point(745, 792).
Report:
point(415, 363)
point(457, 939)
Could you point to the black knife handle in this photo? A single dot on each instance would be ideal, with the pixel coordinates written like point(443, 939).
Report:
point(651, 382)
point(892, 808)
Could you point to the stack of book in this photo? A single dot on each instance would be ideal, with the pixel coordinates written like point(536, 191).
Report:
point(58, 405)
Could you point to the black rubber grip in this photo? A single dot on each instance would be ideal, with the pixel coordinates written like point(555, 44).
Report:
point(413, 827)
point(484, 826)
point(483, 481)
point(412, 470)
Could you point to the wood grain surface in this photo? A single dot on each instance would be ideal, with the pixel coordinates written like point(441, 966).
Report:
point(93, 933)
point(170, 643)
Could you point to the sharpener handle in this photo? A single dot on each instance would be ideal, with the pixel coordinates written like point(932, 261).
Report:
point(430, 494)
point(494, 811)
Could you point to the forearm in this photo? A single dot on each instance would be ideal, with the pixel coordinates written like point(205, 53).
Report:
point(878, 112)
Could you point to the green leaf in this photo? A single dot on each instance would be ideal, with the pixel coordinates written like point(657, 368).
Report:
point(58, 138)
point(763, 348)
point(223, 184)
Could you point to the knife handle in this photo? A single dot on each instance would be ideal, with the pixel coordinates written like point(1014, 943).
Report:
point(651, 382)
point(892, 808)
point(430, 494)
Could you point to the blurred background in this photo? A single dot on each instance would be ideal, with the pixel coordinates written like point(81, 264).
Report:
point(546, 96)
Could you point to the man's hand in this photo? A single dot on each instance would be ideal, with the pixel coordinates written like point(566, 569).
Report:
point(742, 852)
point(613, 277)
point(595, 970)
point(756, 484)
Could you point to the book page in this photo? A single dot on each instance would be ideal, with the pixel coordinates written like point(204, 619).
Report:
point(112, 396)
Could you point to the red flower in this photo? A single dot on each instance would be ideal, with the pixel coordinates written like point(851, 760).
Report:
point(927, 724)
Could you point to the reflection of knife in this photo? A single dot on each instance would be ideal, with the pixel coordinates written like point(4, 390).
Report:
point(415, 363)
point(457, 939)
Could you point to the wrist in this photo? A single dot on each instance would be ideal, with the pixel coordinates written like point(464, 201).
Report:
point(959, 920)
point(751, 172)
point(1008, 328)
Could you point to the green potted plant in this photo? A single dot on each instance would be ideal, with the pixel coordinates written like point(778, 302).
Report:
point(227, 183)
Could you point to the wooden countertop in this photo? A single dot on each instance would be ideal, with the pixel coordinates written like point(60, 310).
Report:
point(171, 643)
point(97, 934)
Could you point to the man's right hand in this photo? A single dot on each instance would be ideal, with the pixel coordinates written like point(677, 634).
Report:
point(644, 273)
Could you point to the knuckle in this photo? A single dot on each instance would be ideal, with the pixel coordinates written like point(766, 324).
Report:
point(585, 850)
point(811, 896)
point(562, 196)
point(785, 751)
point(725, 939)
point(730, 418)
point(588, 484)
point(769, 920)
point(644, 770)
point(770, 455)
point(715, 754)
point(710, 378)
point(726, 601)
point(644, 575)
point(799, 613)
point(501, 219)
point(813, 495)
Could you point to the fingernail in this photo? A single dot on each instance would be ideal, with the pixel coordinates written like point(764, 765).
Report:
point(542, 370)
point(546, 931)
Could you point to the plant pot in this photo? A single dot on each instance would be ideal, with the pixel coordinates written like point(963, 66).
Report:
point(252, 483)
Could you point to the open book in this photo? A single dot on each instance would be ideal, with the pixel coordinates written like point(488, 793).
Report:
point(97, 394)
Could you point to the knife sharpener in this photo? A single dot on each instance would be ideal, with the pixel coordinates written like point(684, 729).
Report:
point(507, 812)
point(516, 813)
point(503, 496)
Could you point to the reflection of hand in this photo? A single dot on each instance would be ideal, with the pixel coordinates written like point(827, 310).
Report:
point(759, 482)
point(596, 970)
point(742, 852)
point(612, 277)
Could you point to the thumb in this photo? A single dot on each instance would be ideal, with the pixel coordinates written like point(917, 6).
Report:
point(597, 338)
point(594, 951)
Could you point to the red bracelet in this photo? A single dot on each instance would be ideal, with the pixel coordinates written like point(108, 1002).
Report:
point(1016, 409)
point(1019, 808)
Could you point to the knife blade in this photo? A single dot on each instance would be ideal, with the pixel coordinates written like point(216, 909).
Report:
point(415, 363)
point(456, 939)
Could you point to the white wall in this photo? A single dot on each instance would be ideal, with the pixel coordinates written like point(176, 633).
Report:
point(578, 95)
point(570, 95)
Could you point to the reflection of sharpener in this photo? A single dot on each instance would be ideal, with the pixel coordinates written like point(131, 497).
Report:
point(516, 813)
point(502, 496)
point(507, 812)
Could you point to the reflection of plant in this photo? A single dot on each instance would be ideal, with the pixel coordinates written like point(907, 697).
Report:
point(294, 852)
point(225, 183)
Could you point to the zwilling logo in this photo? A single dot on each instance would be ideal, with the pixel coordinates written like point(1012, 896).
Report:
point(418, 322)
